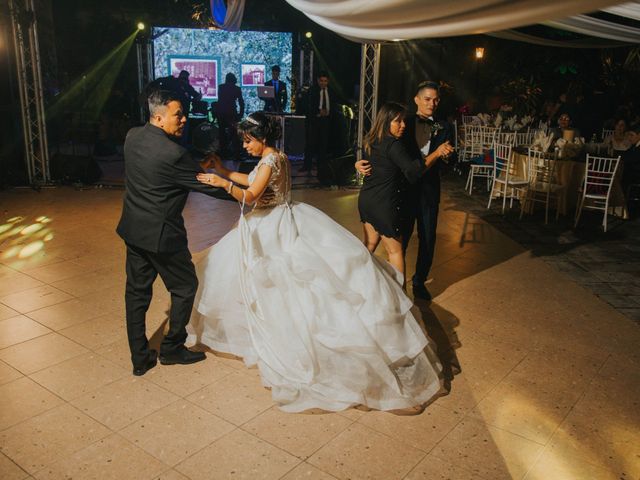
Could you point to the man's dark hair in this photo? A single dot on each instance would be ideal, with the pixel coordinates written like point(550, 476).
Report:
point(322, 73)
point(160, 98)
point(430, 84)
point(183, 74)
point(230, 78)
point(275, 68)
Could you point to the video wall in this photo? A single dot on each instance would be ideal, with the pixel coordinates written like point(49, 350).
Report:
point(208, 55)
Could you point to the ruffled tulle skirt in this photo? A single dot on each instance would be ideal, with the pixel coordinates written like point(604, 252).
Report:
point(327, 323)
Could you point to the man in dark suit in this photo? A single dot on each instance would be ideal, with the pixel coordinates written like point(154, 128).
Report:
point(159, 175)
point(429, 140)
point(319, 110)
point(279, 102)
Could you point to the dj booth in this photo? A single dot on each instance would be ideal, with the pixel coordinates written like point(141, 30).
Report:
point(293, 133)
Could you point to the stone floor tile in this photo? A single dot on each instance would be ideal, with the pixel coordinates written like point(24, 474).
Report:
point(10, 471)
point(34, 298)
point(112, 458)
point(238, 455)
point(487, 451)
point(237, 398)
point(360, 452)
point(56, 433)
point(79, 375)
point(176, 431)
point(22, 399)
point(299, 434)
point(19, 329)
point(41, 352)
point(124, 401)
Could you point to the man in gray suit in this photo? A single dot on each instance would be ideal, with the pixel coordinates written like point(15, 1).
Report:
point(159, 175)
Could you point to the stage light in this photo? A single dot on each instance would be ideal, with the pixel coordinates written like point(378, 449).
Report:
point(308, 34)
point(140, 26)
point(479, 53)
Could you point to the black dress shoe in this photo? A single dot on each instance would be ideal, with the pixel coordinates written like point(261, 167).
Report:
point(151, 362)
point(183, 357)
point(421, 292)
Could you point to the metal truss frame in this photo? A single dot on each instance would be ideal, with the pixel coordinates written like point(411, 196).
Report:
point(144, 55)
point(369, 75)
point(27, 52)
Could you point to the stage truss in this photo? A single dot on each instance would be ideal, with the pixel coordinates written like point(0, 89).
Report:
point(25, 40)
point(144, 53)
point(369, 74)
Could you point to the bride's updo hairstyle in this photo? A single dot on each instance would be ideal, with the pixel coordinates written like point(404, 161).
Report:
point(261, 127)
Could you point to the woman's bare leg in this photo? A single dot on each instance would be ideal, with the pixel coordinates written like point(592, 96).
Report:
point(371, 237)
point(393, 246)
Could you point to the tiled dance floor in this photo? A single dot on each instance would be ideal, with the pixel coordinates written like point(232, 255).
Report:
point(549, 388)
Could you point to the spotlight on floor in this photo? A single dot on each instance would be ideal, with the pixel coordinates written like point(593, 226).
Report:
point(140, 26)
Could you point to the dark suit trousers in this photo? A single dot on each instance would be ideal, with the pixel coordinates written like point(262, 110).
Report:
point(425, 213)
point(178, 274)
point(317, 142)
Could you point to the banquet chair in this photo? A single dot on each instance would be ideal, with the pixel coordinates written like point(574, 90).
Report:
point(606, 133)
point(506, 138)
point(467, 119)
point(542, 178)
point(479, 140)
point(505, 180)
point(525, 138)
point(596, 187)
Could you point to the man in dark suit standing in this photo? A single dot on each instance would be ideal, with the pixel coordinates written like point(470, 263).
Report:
point(159, 175)
point(279, 102)
point(430, 140)
point(319, 110)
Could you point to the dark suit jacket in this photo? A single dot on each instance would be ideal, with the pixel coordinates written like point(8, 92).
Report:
point(313, 108)
point(279, 103)
point(159, 175)
point(429, 184)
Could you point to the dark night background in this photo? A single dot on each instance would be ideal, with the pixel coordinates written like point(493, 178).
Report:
point(75, 34)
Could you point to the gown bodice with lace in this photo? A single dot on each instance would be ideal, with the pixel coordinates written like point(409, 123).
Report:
point(278, 192)
point(327, 324)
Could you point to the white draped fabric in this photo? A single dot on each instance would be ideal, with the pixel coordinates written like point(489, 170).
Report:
point(380, 20)
point(628, 10)
point(233, 13)
point(517, 36)
point(597, 28)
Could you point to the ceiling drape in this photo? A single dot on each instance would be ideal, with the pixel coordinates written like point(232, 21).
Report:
point(383, 20)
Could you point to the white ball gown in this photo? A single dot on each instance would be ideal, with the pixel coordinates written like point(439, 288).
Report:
point(327, 323)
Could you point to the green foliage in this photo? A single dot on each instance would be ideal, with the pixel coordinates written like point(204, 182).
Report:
point(523, 94)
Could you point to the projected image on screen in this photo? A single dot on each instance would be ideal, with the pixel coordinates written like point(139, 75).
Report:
point(203, 73)
point(209, 55)
point(253, 75)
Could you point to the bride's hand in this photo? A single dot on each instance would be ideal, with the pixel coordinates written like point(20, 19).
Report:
point(211, 179)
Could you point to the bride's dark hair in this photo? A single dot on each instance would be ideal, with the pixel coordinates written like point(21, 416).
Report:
point(262, 127)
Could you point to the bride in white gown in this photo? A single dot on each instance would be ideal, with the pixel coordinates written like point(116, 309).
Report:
point(293, 292)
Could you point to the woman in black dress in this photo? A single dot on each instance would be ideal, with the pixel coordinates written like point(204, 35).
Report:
point(384, 190)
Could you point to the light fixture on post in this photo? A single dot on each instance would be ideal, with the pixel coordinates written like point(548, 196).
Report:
point(308, 34)
point(140, 26)
point(479, 53)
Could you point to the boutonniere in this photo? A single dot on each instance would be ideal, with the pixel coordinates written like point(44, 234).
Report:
point(435, 128)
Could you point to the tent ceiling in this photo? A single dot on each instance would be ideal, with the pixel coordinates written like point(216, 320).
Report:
point(385, 20)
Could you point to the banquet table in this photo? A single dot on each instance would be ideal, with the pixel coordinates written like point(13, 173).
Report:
point(570, 174)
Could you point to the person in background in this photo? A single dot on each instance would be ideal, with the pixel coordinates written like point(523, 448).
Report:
point(319, 109)
point(620, 141)
point(381, 199)
point(229, 99)
point(430, 139)
point(279, 102)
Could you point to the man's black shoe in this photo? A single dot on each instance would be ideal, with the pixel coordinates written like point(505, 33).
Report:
point(151, 362)
point(183, 357)
point(421, 292)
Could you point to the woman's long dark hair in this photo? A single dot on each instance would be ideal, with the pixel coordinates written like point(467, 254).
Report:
point(382, 125)
point(261, 127)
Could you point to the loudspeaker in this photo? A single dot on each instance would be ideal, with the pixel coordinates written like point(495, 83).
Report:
point(337, 170)
point(73, 169)
point(294, 136)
